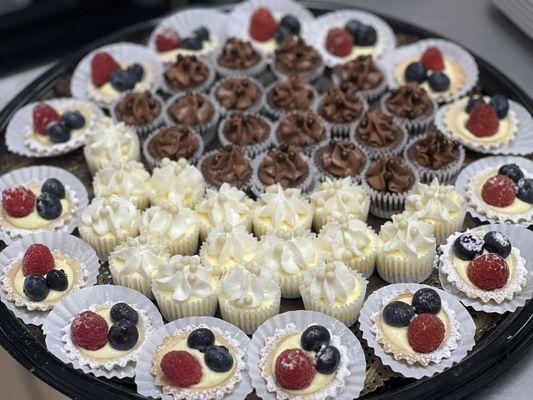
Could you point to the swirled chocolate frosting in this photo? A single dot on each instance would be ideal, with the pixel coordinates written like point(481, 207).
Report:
point(227, 165)
point(175, 142)
point(138, 108)
point(187, 72)
point(238, 54)
point(245, 129)
point(378, 129)
point(294, 56)
point(291, 94)
point(409, 101)
point(341, 106)
point(435, 151)
point(362, 73)
point(301, 129)
point(238, 94)
point(283, 165)
point(340, 158)
point(390, 174)
point(191, 109)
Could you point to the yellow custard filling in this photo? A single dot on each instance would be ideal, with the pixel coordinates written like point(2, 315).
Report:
point(170, 55)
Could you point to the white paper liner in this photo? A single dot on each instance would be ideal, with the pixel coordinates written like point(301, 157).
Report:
point(310, 76)
point(521, 144)
point(322, 175)
point(386, 41)
point(81, 85)
point(255, 70)
point(521, 239)
point(341, 130)
point(247, 185)
point(417, 126)
point(370, 95)
point(61, 316)
point(146, 381)
point(465, 342)
point(353, 382)
point(276, 113)
point(375, 152)
point(258, 105)
point(73, 187)
point(449, 50)
point(204, 87)
point(20, 128)
point(185, 22)
point(464, 177)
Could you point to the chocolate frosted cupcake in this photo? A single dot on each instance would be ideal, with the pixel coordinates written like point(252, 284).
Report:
point(388, 180)
point(339, 159)
point(287, 95)
point(226, 165)
point(303, 130)
point(411, 107)
point(295, 57)
point(239, 57)
point(188, 73)
point(251, 132)
point(435, 156)
point(378, 133)
point(142, 111)
point(364, 74)
point(238, 93)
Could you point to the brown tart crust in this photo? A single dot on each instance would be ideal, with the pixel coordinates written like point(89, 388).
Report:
point(378, 130)
point(362, 72)
point(227, 165)
point(341, 105)
point(301, 129)
point(138, 108)
point(245, 129)
point(293, 93)
point(191, 109)
point(410, 101)
point(283, 165)
point(434, 151)
point(389, 174)
point(294, 56)
point(340, 158)
point(238, 54)
point(187, 72)
point(238, 94)
point(174, 142)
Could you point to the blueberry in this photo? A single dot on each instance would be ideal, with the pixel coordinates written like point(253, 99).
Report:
point(123, 80)
point(281, 34)
point(201, 33)
point(123, 335)
point(48, 206)
point(200, 338)
point(472, 102)
point(52, 185)
point(468, 246)
point(415, 72)
point(497, 242)
point(35, 287)
point(365, 35)
point(291, 23)
point(327, 360)
point(352, 26)
point(512, 171)
point(525, 190)
point(218, 358)
point(398, 313)
point(58, 131)
point(123, 312)
point(73, 119)
point(56, 279)
point(137, 71)
point(314, 338)
point(500, 103)
point(426, 300)
point(439, 81)
point(191, 43)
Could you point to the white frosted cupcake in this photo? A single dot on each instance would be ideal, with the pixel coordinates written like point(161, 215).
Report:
point(249, 296)
point(351, 241)
point(339, 198)
point(174, 226)
point(183, 287)
point(335, 290)
point(227, 246)
point(407, 250)
point(108, 221)
point(108, 142)
point(279, 208)
point(439, 205)
point(227, 205)
point(127, 179)
point(176, 182)
point(134, 262)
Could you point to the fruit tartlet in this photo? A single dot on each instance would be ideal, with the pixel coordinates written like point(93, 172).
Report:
point(252, 132)
point(226, 165)
point(303, 130)
point(238, 93)
point(339, 159)
point(294, 56)
point(239, 56)
point(289, 94)
point(364, 74)
point(143, 111)
point(188, 72)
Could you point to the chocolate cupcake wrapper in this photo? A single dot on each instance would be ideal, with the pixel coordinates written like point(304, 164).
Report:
point(370, 95)
point(310, 76)
point(342, 130)
point(277, 114)
point(254, 71)
point(81, 85)
point(414, 127)
point(204, 87)
point(19, 131)
point(247, 186)
point(374, 152)
point(258, 105)
point(322, 175)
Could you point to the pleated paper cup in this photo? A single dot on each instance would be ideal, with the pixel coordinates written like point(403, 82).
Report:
point(375, 152)
point(353, 368)
point(144, 379)
point(61, 317)
point(258, 105)
point(276, 113)
point(255, 70)
point(20, 128)
point(405, 269)
point(416, 126)
point(338, 130)
point(310, 76)
point(203, 87)
point(467, 330)
point(370, 95)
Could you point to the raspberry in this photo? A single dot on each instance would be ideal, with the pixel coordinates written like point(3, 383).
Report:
point(483, 121)
point(263, 26)
point(432, 59)
point(339, 42)
point(294, 369)
point(167, 39)
point(42, 115)
point(499, 191)
point(102, 66)
point(18, 201)
point(425, 333)
point(37, 260)
point(488, 271)
point(181, 368)
point(89, 331)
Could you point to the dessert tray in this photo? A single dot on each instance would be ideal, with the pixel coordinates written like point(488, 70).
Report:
point(484, 338)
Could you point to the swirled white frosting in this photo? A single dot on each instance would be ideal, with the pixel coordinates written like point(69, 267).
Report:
point(227, 243)
point(338, 198)
point(330, 282)
point(407, 235)
point(112, 214)
point(345, 238)
point(282, 206)
point(168, 223)
point(177, 182)
point(434, 201)
point(111, 142)
point(124, 178)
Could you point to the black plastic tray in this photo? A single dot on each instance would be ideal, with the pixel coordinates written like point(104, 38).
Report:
point(492, 355)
